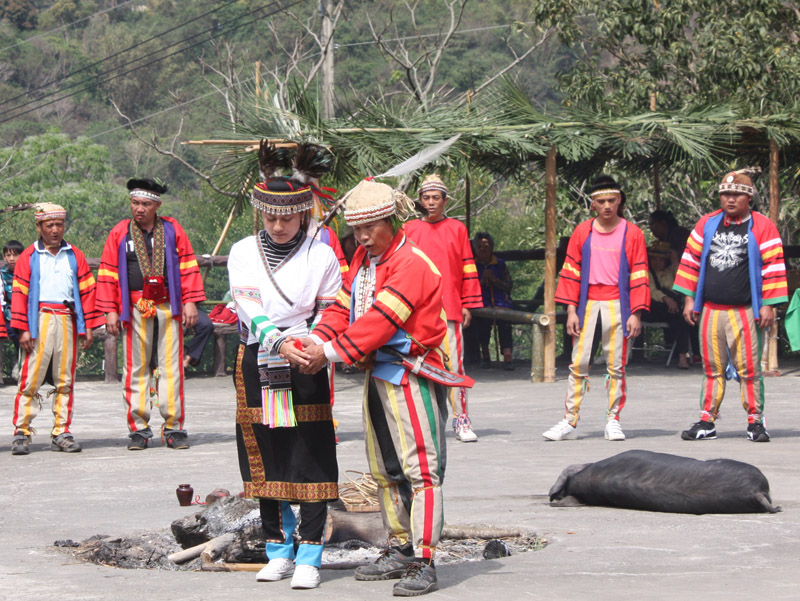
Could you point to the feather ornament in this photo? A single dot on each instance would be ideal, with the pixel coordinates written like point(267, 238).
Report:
point(271, 160)
point(419, 160)
point(311, 162)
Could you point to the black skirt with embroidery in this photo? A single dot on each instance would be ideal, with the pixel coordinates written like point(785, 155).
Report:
point(288, 464)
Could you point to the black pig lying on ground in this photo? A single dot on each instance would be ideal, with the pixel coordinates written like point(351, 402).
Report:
point(661, 482)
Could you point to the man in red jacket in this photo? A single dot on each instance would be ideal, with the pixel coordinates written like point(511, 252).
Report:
point(446, 242)
point(732, 273)
point(604, 276)
point(52, 305)
point(148, 286)
point(380, 314)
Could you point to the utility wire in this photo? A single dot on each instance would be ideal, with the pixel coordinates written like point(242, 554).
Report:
point(203, 96)
point(41, 35)
point(107, 58)
point(98, 82)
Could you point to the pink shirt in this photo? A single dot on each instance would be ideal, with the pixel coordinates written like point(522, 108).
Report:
point(606, 250)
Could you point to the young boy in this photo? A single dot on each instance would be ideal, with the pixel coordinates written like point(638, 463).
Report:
point(11, 252)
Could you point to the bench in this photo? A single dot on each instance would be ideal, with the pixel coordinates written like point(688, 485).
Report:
point(221, 332)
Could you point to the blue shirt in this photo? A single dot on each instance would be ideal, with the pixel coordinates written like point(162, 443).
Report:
point(55, 275)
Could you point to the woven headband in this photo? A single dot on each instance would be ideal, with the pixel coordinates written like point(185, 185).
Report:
point(605, 191)
point(145, 194)
point(50, 215)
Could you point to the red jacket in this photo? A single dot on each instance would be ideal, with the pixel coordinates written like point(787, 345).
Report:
point(573, 281)
point(20, 297)
point(446, 242)
point(110, 283)
point(408, 295)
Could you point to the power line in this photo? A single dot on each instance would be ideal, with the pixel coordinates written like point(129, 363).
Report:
point(242, 82)
point(41, 35)
point(98, 82)
point(94, 64)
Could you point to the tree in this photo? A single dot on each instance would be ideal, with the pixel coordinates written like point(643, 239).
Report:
point(74, 173)
point(686, 52)
point(22, 13)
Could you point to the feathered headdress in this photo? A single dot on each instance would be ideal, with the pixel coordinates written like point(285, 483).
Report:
point(311, 162)
point(272, 160)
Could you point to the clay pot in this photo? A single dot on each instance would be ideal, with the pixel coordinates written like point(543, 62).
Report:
point(184, 493)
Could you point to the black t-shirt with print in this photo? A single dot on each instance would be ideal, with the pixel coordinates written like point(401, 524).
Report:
point(727, 279)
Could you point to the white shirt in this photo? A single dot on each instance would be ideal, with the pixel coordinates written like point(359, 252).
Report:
point(310, 277)
point(55, 274)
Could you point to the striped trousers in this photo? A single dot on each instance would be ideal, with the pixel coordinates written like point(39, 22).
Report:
point(615, 348)
point(56, 344)
point(731, 334)
point(405, 440)
point(138, 339)
point(453, 345)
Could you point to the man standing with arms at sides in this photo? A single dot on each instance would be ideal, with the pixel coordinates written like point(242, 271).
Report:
point(446, 242)
point(53, 303)
point(604, 277)
point(149, 285)
point(732, 273)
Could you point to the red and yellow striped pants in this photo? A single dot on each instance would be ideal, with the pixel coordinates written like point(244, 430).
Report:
point(404, 432)
point(453, 344)
point(56, 344)
point(615, 348)
point(138, 339)
point(731, 333)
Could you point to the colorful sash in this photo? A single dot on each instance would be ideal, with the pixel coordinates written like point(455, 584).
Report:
point(153, 291)
point(275, 373)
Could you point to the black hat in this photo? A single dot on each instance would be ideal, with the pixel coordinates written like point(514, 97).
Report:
point(153, 188)
point(605, 184)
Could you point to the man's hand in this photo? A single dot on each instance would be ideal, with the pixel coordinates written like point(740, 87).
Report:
point(112, 324)
point(688, 310)
point(466, 317)
point(316, 359)
point(86, 343)
point(766, 317)
point(189, 315)
point(573, 321)
point(26, 343)
point(634, 325)
point(672, 306)
point(297, 357)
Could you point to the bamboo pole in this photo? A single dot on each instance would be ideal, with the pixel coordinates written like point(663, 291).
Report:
point(772, 367)
point(656, 174)
point(468, 203)
point(550, 266)
point(221, 239)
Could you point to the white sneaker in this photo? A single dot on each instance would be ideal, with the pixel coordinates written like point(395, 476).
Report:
point(561, 431)
point(465, 434)
point(305, 577)
point(277, 569)
point(614, 430)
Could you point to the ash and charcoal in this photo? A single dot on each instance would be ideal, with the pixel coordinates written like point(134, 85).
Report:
point(237, 521)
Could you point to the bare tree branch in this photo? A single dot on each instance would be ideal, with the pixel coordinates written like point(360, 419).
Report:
point(170, 152)
point(517, 60)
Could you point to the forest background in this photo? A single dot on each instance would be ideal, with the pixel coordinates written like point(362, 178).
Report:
point(93, 92)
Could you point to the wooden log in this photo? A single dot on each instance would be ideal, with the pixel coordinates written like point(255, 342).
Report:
point(482, 532)
point(110, 359)
point(213, 549)
point(255, 567)
point(550, 265)
point(221, 331)
point(214, 546)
